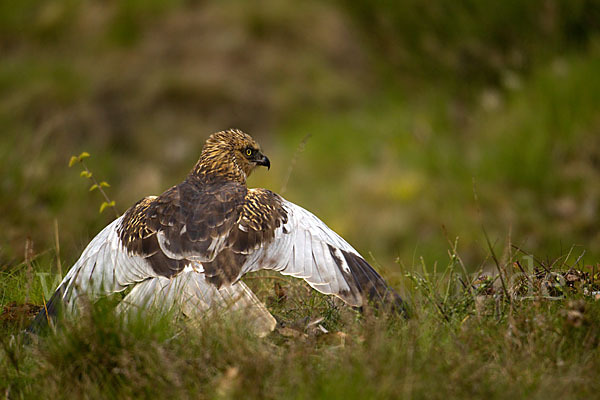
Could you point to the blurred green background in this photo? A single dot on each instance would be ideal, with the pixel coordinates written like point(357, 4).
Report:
point(412, 107)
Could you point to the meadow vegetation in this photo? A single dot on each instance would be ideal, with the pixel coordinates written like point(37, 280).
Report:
point(428, 122)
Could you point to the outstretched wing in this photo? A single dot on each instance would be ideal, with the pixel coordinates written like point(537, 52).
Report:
point(104, 267)
point(159, 237)
point(273, 233)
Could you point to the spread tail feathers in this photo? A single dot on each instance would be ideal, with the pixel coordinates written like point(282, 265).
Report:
point(191, 295)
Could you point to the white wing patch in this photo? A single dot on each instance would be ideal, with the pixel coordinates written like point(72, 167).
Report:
point(104, 267)
point(307, 248)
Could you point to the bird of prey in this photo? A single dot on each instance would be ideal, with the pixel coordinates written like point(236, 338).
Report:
point(190, 246)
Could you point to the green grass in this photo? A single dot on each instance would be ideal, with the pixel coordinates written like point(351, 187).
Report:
point(458, 343)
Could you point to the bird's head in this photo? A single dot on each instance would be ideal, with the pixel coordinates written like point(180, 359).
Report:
point(230, 154)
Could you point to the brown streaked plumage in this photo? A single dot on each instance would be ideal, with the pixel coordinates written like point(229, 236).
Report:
point(202, 235)
point(224, 157)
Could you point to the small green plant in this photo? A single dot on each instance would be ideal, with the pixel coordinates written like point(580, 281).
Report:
point(86, 173)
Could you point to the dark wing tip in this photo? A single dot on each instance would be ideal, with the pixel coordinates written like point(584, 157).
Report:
point(49, 313)
point(372, 286)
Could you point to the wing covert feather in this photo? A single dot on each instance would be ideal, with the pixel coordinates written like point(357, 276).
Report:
point(299, 244)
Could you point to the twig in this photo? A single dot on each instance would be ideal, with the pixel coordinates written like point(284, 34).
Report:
point(489, 243)
point(299, 150)
point(29, 273)
point(524, 273)
point(540, 263)
point(577, 261)
point(57, 245)
point(456, 256)
point(555, 298)
point(46, 310)
point(99, 187)
point(504, 289)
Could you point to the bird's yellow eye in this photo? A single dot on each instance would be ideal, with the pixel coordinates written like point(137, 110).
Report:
point(248, 152)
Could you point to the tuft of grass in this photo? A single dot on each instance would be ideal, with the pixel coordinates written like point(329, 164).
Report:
point(465, 339)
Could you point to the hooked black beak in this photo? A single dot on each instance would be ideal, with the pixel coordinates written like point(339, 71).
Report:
point(261, 159)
